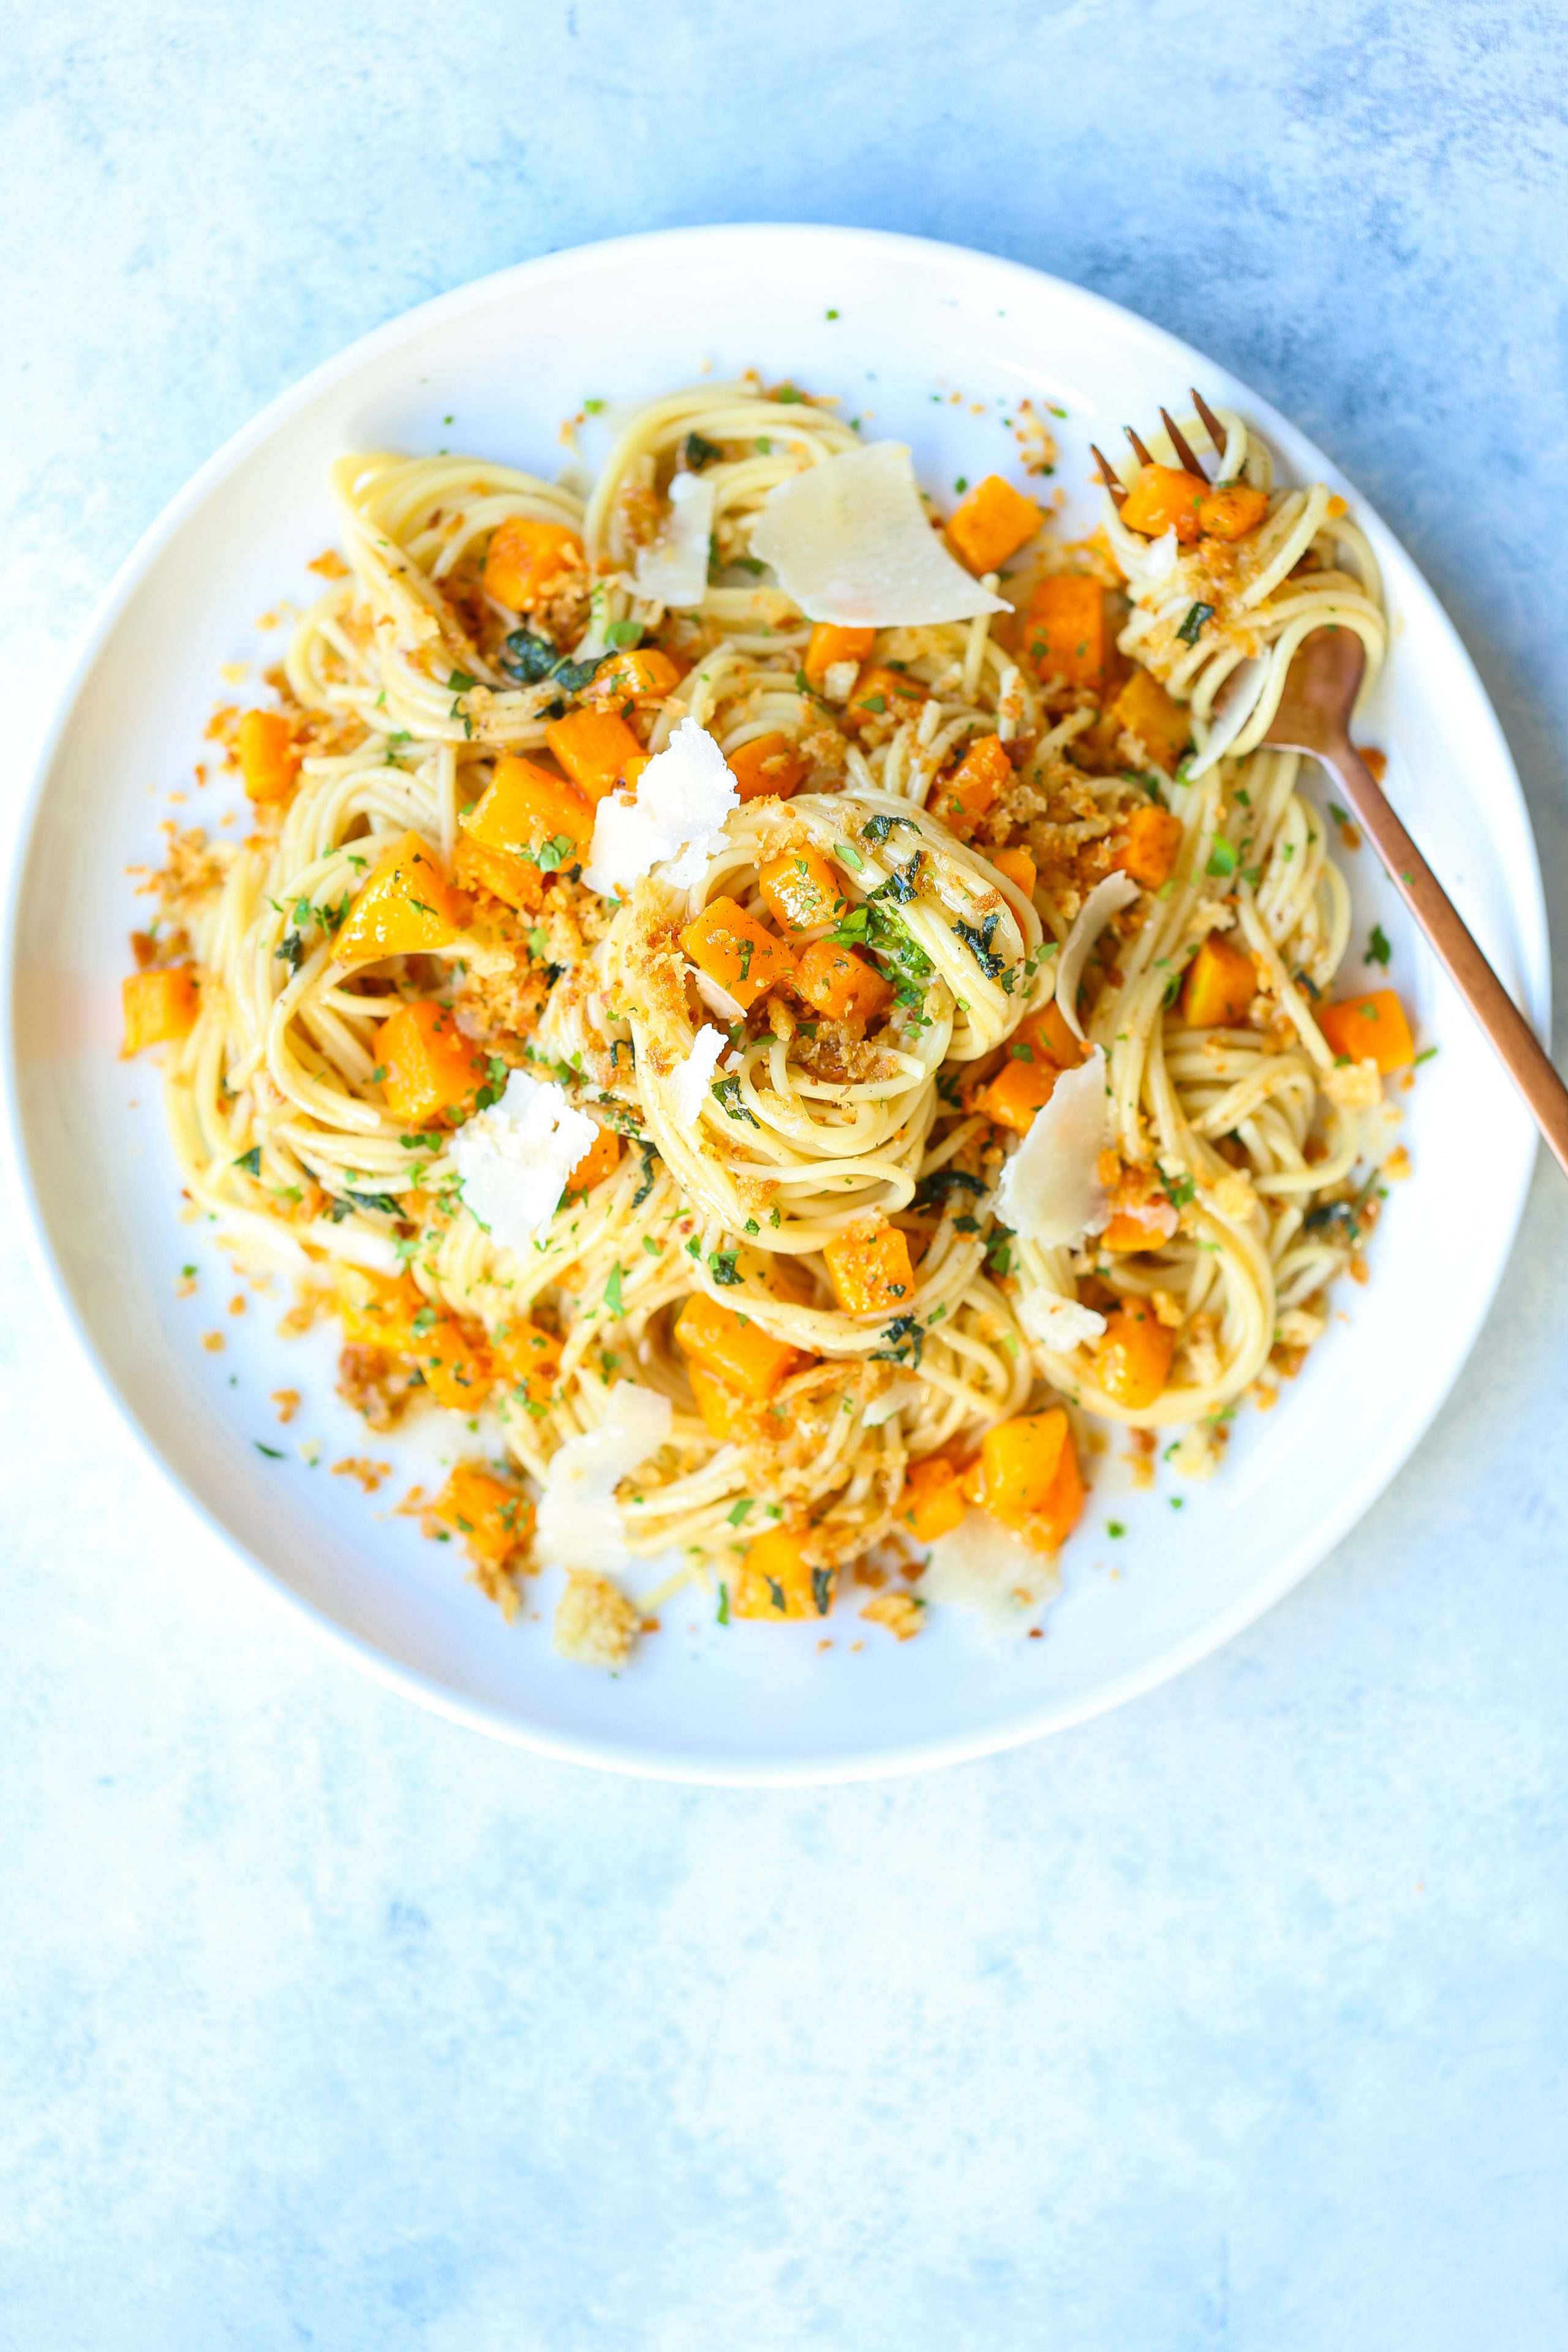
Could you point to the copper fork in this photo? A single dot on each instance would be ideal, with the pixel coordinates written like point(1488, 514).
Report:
point(1313, 717)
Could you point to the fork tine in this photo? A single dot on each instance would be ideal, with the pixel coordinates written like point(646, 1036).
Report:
point(1138, 451)
point(1211, 425)
point(1108, 473)
point(1179, 443)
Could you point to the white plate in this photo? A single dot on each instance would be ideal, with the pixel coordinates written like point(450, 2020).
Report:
point(917, 336)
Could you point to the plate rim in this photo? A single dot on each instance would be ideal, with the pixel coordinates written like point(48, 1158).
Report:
point(1531, 942)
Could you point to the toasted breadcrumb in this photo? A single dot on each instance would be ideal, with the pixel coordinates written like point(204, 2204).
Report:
point(213, 1342)
point(901, 1612)
point(595, 1624)
point(369, 1474)
point(287, 1403)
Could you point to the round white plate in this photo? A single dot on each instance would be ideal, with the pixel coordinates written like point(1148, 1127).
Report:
point(927, 343)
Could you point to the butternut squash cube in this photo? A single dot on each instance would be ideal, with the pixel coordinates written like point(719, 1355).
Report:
point(733, 948)
point(456, 1367)
point(775, 1581)
point(406, 908)
point(933, 1502)
point(1019, 1089)
point(1064, 630)
point(883, 694)
point(377, 1310)
point(531, 812)
point(530, 1358)
point(516, 881)
point(767, 764)
point(830, 647)
point(643, 676)
point(1163, 496)
point(1151, 848)
point(841, 984)
point(1018, 865)
point(735, 1348)
point(429, 1063)
point(724, 1412)
point(1162, 725)
point(1133, 1358)
point(965, 795)
point(1368, 1027)
point(871, 1273)
point(525, 559)
point(801, 890)
point(994, 522)
point(1027, 1477)
point(159, 1006)
point(1220, 984)
point(602, 1159)
point(596, 748)
point(1232, 509)
point(268, 758)
point(492, 1516)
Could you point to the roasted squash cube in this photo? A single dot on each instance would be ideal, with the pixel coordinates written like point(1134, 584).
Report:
point(528, 812)
point(871, 1272)
point(493, 1518)
point(1133, 1356)
point(881, 693)
point(934, 1503)
point(1065, 631)
point(994, 522)
point(597, 750)
point(159, 1006)
point(735, 1348)
point(1151, 847)
point(526, 558)
point(1027, 1477)
point(269, 756)
point(430, 1066)
point(1371, 1027)
point(602, 1159)
point(1220, 984)
point(733, 949)
point(516, 881)
point(965, 795)
point(801, 890)
point(406, 908)
point(767, 764)
point(1163, 498)
point(838, 983)
point(775, 1581)
point(832, 647)
point(1162, 725)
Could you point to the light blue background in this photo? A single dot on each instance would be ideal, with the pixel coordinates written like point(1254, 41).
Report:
point(1238, 2019)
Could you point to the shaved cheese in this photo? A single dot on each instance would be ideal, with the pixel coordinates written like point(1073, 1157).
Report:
point(1058, 1323)
point(986, 1567)
point(690, 1080)
point(1153, 561)
point(850, 542)
point(514, 1158)
point(579, 1524)
point(1238, 700)
point(683, 796)
point(1106, 899)
point(674, 570)
point(718, 1000)
point(1050, 1190)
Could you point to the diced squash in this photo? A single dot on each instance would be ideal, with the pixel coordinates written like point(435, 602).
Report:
point(722, 1409)
point(767, 764)
point(933, 1502)
point(430, 1066)
point(528, 1357)
point(1151, 847)
point(1018, 865)
point(1368, 1027)
point(830, 647)
point(801, 889)
point(643, 675)
point(1019, 1089)
point(838, 983)
point(1231, 510)
point(1046, 1031)
point(517, 881)
point(775, 1581)
point(597, 748)
point(492, 1516)
point(531, 812)
point(1163, 496)
point(1220, 984)
point(377, 1310)
point(268, 757)
point(456, 1371)
point(1065, 631)
point(1027, 1477)
point(406, 908)
point(880, 693)
point(1133, 1358)
point(959, 798)
point(1162, 724)
point(1126, 1233)
point(159, 1006)
point(994, 522)
point(735, 1348)
point(733, 948)
point(871, 1273)
point(602, 1159)
point(525, 559)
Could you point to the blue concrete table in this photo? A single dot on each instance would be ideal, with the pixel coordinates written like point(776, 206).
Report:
point(1236, 2019)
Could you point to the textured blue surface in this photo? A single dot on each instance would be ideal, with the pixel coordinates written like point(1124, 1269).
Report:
point(1239, 2019)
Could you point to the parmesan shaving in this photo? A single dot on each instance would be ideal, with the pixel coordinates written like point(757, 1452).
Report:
point(514, 1158)
point(690, 1080)
point(674, 570)
point(579, 1524)
point(850, 541)
point(1050, 1190)
point(683, 796)
point(986, 1567)
point(1106, 899)
point(1060, 1324)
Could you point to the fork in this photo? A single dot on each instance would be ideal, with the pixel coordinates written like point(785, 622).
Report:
point(1313, 717)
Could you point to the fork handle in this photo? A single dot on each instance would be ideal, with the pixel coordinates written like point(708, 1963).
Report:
point(1527, 1061)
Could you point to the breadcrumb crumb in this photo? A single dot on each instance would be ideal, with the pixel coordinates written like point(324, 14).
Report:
point(901, 1612)
point(595, 1624)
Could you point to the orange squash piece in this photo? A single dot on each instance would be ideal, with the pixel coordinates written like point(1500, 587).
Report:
point(1027, 1477)
point(377, 1310)
point(871, 1273)
point(1065, 631)
point(767, 764)
point(645, 675)
point(776, 1580)
point(530, 1358)
point(1162, 724)
point(801, 890)
point(933, 1502)
point(1231, 510)
point(841, 984)
point(517, 881)
point(596, 748)
point(1371, 1027)
point(525, 558)
point(1163, 496)
point(528, 810)
point(829, 647)
point(406, 908)
point(1018, 865)
point(268, 757)
point(1126, 1233)
point(1133, 1358)
point(159, 1006)
point(602, 1159)
point(959, 798)
point(722, 1411)
point(430, 1066)
point(493, 1518)
point(994, 522)
point(1019, 1089)
point(1151, 848)
point(735, 1348)
point(1220, 984)
point(733, 948)
point(455, 1369)
point(880, 693)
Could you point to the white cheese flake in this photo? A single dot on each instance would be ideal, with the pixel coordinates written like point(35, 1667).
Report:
point(674, 570)
point(690, 1080)
point(1050, 1190)
point(1060, 1324)
point(849, 541)
point(986, 1567)
point(514, 1158)
point(579, 1524)
point(1106, 899)
point(683, 796)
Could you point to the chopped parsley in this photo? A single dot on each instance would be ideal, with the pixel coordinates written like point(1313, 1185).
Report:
point(1192, 626)
point(1378, 948)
